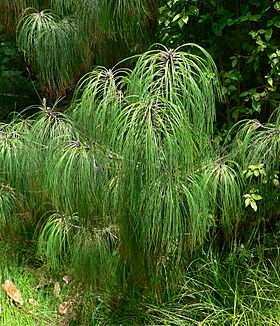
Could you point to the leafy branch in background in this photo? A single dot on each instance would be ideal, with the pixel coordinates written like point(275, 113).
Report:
point(242, 36)
point(256, 142)
point(254, 171)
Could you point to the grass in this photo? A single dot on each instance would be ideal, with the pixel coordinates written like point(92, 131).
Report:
point(219, 293)
point(25, 281)
point(235, 291)
point(40, 305)
point(242, 288)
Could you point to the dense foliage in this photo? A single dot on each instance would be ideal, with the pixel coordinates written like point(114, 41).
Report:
point(243, 38)
point(60, 39)
point(127, 185)
point(131, 189)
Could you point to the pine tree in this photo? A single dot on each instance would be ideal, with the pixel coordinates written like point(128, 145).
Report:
point(62, 38)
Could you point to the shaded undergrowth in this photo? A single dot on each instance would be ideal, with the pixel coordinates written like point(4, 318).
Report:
point(241, 288)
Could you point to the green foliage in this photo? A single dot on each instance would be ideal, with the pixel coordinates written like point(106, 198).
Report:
point(127, 187)
point(242, 37)
point(55, 237)
point(254, 171)
point(260, 143)
point(52, 45)
point(224, 185)
point(8, 205)
point(61, 39)
point(136, 133)
point(131, 168)
point(10, 11)
point(239, 291)
point(155, 123)
point(256, 142)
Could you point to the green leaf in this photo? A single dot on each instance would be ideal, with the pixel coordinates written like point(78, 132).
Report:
point(248, 202)
point(256, 197)
point(230, 22)
point(166, 22)
point(193, 11)
point(270, 81)
point(243, 18)
point(256, 173)
point(176, 17)
point(276, 22)
point(234, 62)
point(277, 5)
point(249, 92)
point(250, 59)
point(260, 42)
point(254, 205)
point(248, 174)
point(269, 23)
point(185, 19)
point(231, 89)
point(268, 34)
point(218, 29)
point(256, 105)
point(255, 17)
point(181, 23)
point(275, 182)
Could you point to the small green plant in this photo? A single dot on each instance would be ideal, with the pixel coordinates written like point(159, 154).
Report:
point(251, 199)
point(255, 170)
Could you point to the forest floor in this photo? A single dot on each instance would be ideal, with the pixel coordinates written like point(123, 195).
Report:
point(31, 294)
point(244, 291)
